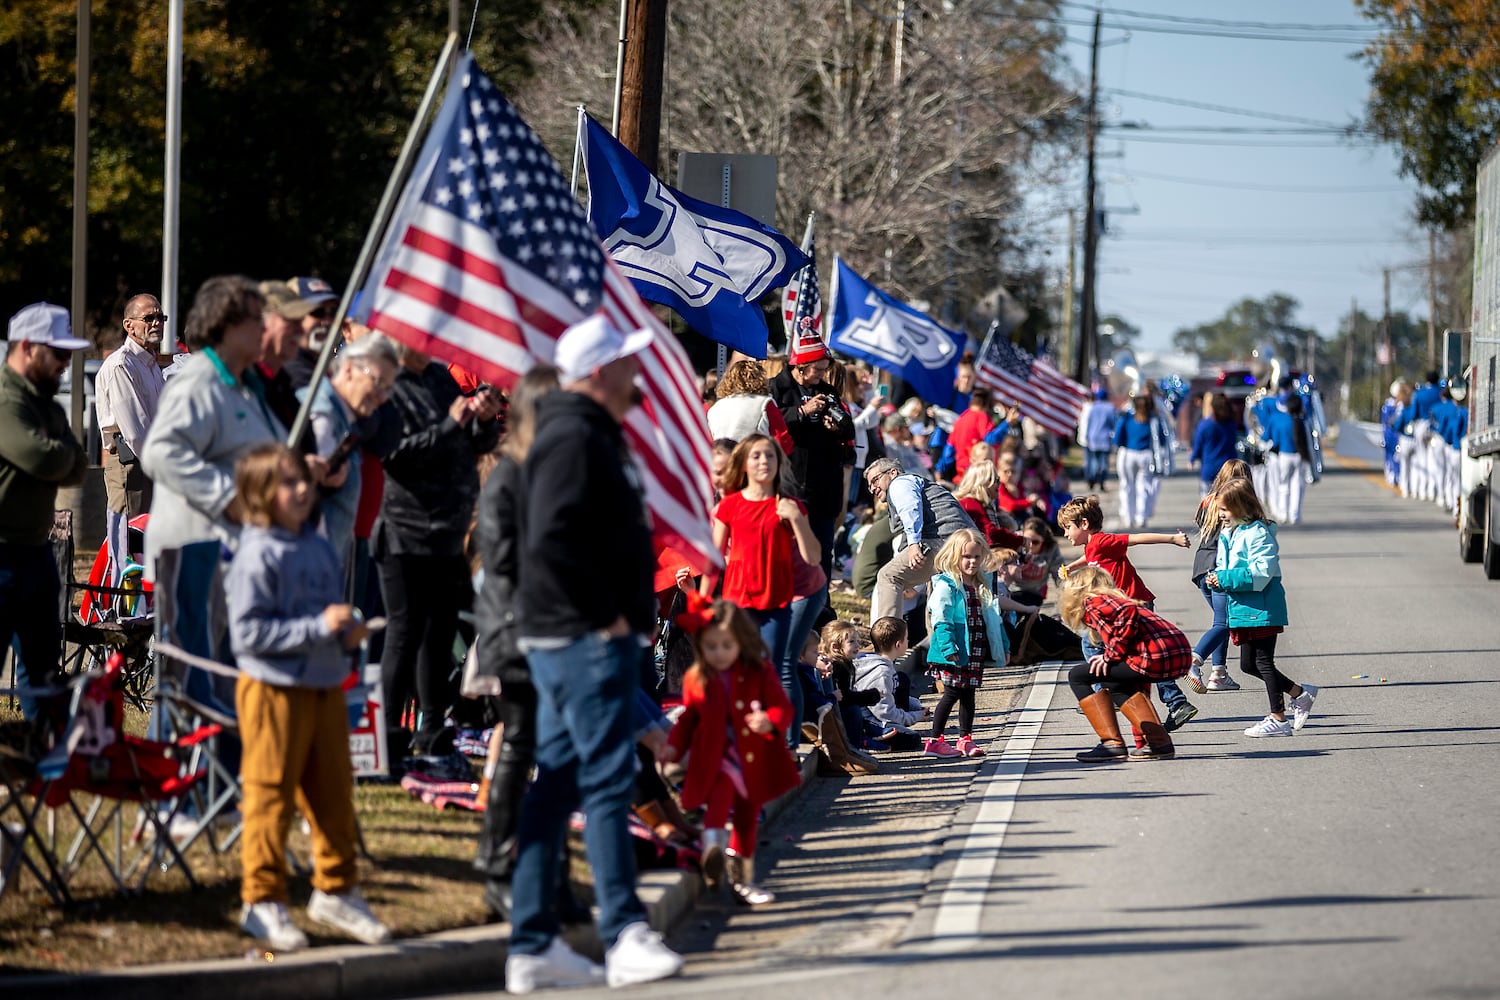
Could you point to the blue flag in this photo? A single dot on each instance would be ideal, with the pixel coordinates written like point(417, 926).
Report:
point(709, 264)
point(870, 325)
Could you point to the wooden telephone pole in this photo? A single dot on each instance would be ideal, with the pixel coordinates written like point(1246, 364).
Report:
point(1088, 341)
point(645, 47)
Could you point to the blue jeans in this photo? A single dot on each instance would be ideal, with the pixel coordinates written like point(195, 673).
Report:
point(31, 614)
point(776, 632)
point(585, 757)
point(1095, 465)
point(1215, 642)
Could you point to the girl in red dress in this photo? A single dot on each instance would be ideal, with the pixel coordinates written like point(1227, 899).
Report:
point(732, 731)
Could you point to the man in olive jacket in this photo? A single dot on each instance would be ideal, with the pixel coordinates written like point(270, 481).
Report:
point(38, 453)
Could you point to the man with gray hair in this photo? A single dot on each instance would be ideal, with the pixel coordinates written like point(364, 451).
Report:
point(349, 418)
point(922, 516)
point(127, 394)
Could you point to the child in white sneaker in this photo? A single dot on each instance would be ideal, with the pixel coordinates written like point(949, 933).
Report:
point(290, 631)
point(968, 635)
point(1248, 570)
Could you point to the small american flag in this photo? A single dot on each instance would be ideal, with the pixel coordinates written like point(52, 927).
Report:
point(1043, 393)
point(491, 259)
point(801, 303)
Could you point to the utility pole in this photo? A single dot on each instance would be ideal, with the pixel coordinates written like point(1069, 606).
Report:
point(1349, 357)
point(81, 206)
point(1086, 336)
point(1385, 326)
point(1065, 342)
point(1431, 300)
point(642, 67)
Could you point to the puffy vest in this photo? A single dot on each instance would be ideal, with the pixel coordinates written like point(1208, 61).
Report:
point(941, 514)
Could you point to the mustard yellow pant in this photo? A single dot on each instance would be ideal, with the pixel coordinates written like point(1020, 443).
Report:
point(296, 752)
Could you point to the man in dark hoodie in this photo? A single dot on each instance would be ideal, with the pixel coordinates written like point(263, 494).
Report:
point(586, 610)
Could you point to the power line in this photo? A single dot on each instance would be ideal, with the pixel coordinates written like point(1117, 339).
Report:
point(1194, 32)
point(1131, 136)
point(1224, 109)
point(1215, 22)
point(1279, 188)
point(1232, 129)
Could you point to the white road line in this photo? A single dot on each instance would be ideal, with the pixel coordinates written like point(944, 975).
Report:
point(962, 903)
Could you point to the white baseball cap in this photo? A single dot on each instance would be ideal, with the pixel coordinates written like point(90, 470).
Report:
point(586, 347)
point(45, 323)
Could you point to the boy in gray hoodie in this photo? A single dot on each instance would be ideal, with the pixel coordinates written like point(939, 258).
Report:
point(290, 631)
point(894, 715)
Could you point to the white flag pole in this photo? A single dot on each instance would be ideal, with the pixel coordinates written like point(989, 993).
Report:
point(578, 149)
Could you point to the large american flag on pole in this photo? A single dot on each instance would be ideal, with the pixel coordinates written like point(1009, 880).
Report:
point(490, 258)
point(1043, 393)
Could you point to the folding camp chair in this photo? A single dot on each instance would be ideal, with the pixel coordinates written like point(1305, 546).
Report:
point(195, 685)
point(110, 618)
point(24, 847)
point(97, 769)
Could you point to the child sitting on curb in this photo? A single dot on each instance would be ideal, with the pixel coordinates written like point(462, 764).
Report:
point(895, 713)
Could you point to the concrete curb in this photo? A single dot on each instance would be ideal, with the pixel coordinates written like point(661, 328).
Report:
point(467, 958)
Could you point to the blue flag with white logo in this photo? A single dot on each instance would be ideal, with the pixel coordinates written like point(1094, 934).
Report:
point(870, 325)
point(709, 264)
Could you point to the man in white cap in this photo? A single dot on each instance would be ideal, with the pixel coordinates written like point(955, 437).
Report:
point(586, 609)
point(38, 453)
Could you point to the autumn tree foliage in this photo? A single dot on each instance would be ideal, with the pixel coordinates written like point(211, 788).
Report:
point(1435, 94)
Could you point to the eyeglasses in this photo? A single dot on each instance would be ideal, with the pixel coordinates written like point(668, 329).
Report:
point(325, 313)
point(60, 353)
point(150, 319)
point(385, 387)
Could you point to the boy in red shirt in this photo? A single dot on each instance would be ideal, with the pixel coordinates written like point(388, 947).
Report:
point(1081, 520)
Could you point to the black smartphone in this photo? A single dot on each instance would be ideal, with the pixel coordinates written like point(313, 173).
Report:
point(341, 453)
point(123, 451)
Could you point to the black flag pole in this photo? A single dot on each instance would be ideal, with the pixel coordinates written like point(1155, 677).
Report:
point(373, 238)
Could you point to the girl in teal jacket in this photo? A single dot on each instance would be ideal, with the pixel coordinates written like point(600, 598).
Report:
point(1248, 571)
point(968, 635)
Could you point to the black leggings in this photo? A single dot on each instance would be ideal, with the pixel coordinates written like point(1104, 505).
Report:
point(423, 595)
point(502, 814)
point(1119, 679)
point(964, 697)
point(1258, 659)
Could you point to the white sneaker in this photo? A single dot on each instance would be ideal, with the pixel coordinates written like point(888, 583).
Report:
point(348, 913)
point(1220, 680)
point(271, 923)
point(1270, 726)
point(558, 966)
point(640, 956)
point(1302, 706)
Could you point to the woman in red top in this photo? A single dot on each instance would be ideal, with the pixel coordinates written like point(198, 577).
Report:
point(970, 428)
point(976, 495)
point(755, 528)
point(1011, 496)
point(1138, 647)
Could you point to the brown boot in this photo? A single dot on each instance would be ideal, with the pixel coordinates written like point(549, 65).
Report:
point(1142, 715)
point(1099, 709)
point(835, 743)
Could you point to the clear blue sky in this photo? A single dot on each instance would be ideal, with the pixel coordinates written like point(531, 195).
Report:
point(1195, 248)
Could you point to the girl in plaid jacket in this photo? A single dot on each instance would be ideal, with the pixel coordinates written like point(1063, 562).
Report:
point(1140, 648)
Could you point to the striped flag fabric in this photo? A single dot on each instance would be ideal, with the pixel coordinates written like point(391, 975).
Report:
point(801, 302)
point(490, 258)
point(1043, 393)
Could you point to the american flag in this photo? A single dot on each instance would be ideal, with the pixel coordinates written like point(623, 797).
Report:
point(801, 304)
point(1043, 393)
point(491, 259)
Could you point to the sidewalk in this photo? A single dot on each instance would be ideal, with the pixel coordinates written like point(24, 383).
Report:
point(468, 958)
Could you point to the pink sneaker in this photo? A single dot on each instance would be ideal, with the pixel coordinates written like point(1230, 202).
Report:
point(968, 747)
point(939, 747)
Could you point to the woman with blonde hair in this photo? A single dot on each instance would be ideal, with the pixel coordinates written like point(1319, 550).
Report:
point(1139, 647)
point(744, 407)
point(976, 495)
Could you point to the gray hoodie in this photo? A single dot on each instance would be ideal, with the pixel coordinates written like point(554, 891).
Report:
point(277, 587)
point(874, 672)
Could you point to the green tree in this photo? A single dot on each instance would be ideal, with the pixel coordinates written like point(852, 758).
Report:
point(1247, 325)
point(1435, 94)
point(293, 111)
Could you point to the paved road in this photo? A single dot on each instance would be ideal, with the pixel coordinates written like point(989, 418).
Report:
point(1358, 858)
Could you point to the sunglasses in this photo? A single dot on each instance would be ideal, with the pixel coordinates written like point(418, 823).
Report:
point(61, 354)
point(151, 319)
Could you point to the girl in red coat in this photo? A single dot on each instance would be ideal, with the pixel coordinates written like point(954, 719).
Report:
point(733, 732)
